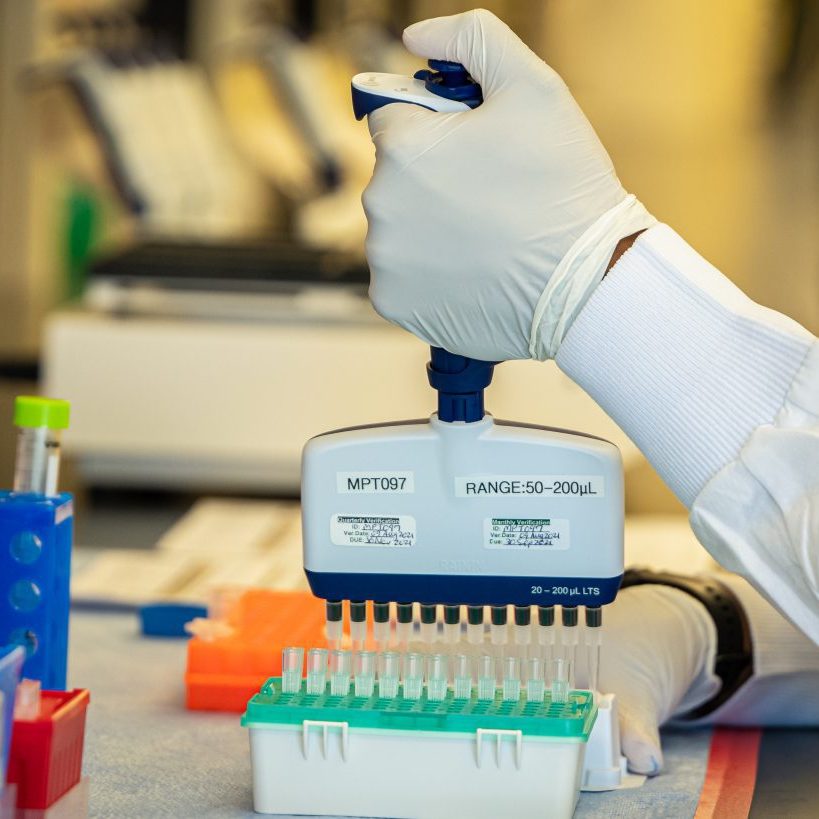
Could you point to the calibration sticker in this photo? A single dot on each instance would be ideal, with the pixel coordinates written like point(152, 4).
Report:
point(526, 533)
point(372, 483)
point(550, 486)
point(392, 531)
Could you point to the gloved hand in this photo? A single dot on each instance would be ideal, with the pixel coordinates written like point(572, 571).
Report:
point(657, 656)
point(489, 229)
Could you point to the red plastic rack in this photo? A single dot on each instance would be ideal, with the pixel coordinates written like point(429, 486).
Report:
point(45, 761)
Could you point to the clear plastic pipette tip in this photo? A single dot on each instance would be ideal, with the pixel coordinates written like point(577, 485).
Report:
point(358, 624)
point(381, 625)
point(498, 633)
point(569, 636)
point(452, 624)
point(561, 680)
point(292, 662)
point(461, 677)
point(546, 631)
point(334, 624)
point(429, 623)
point(474, 625)
point(523, 627)
point(535, 684)
point(316, 670)
point(437, 676)
point(511, 678)
point(403, 625)
point(487, 682)
point(594, 639)
point(413, 675)
point(364, 668)
point(340, 667)
point(389, 672)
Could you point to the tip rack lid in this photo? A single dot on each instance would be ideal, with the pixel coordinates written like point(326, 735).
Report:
point(571, 720)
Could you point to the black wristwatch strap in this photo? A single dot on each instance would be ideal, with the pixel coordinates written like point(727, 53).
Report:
point(734, 662)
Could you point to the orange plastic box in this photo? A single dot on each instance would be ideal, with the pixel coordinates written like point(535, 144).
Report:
point(224, 672)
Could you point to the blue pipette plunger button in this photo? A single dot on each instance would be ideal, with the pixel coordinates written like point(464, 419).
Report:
point(460, 382)
point(451, 80)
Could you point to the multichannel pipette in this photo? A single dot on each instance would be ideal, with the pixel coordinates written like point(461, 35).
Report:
point(487, 526)
point(476, 542)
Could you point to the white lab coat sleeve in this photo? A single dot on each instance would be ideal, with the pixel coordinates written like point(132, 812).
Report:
point(722, 396)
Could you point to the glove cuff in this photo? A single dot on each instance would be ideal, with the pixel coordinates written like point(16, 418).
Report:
point(734, 661)
point(579, 272)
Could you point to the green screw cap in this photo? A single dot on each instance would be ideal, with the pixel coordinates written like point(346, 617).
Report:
point(33, 411)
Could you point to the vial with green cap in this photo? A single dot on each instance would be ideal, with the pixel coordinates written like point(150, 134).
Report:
point(35, 544)
point(39, 422)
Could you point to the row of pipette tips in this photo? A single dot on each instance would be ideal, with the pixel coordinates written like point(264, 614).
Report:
point(394, 623)
point(534, 629)
point(392, 673)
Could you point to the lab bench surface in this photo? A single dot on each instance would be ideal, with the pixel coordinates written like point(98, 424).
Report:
point(146, 756)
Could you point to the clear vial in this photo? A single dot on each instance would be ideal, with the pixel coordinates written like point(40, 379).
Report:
point(39, 422)
point(37, 463)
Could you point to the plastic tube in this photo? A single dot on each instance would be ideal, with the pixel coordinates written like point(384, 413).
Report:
point(487, 681)
point(511, 678)
point(569, 635)
point(461, 677)
point(389, 672)
point(497, 630)
point(474, 625)
point(39, 422)
point(334, 625)
point(594, 639)
point(403, 625)
point(561, 679)
point(381, 625)
point(546, 631)
point(437, 677)
point(413, 675)
point(292, 662)
point(364, 667)
point(535, 684)
point(452, 624)
point(316, 670)
point(429, 625)
point(340, 668)
point(358, 624)
point(523, 628)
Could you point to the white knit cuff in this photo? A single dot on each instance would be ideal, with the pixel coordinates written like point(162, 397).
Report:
point(681, 359)
point(578, 274)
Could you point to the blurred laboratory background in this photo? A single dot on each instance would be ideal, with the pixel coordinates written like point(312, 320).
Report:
point(181, 234)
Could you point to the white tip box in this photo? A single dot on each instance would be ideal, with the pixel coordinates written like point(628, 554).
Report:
point(326, 767)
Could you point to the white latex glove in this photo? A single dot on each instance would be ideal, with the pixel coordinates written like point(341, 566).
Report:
point(658, 654)
point(490, 228)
